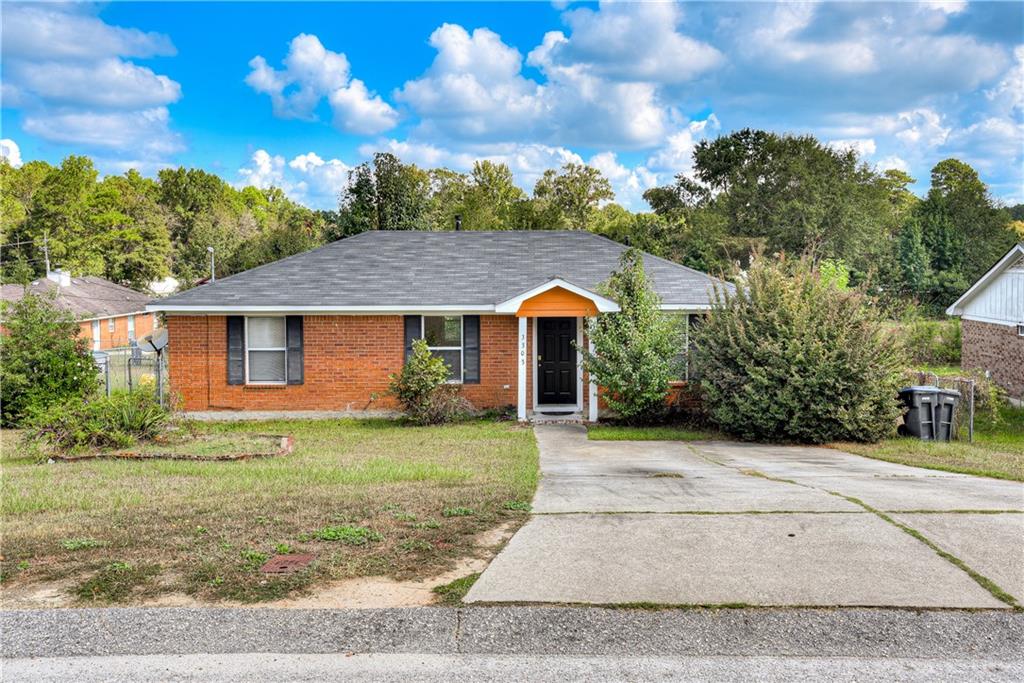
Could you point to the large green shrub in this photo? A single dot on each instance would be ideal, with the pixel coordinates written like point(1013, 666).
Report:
point(115, 421)
point(422, 388)
point(43, 361)
point(790, 357)
point(636, 349)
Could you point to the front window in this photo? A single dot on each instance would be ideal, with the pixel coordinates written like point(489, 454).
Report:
point(131, 328)
point(266, 352)
point(443, 334)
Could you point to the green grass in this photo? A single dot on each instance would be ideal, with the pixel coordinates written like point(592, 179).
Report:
point(660, 433)
point(452, 593)
point(997, 450)
point(204, 523)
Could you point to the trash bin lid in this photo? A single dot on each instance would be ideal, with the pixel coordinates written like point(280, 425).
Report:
point(950, 392)
point(920, 388)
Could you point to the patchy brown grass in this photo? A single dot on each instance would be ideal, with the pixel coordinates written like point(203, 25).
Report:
point(203, 528)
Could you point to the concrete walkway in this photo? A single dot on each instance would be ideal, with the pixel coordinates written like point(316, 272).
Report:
point(721, 523)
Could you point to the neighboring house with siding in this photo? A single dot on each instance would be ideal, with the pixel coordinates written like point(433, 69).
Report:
point(323, 330)
point(992, 311)
point(109, 315)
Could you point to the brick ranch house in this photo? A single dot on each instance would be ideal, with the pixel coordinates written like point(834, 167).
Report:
point(322, 330)
point(992, 311)
point(109, 315)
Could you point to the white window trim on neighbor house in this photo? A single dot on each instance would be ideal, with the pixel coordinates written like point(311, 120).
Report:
point(131, 328)
point(460, 348)
point(96, 335)
point(249, 349)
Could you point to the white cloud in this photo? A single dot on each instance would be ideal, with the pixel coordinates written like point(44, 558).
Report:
point(919, 127)
point(1008, 94)
point(946, 6)
point(864, 147)
point(9, 150)
point(265, 171)
point(892, 162)
point(312, 73)
point(145, 131)
point(65, 69)
point(781, 39)
point(628, 42)
point(108, 83)
point(44, 32)
point(676, 155)
point(475, 90)
point(628, 184)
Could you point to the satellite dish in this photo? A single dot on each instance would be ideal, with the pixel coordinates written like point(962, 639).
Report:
point(156, 341)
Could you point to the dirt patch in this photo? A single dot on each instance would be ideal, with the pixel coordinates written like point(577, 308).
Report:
point(206, 447)
point(361, 592)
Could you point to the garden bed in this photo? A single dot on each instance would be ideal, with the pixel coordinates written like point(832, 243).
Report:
point(214, 447)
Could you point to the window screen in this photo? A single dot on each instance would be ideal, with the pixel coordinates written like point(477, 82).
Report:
point(443, 334)
point(266, 349)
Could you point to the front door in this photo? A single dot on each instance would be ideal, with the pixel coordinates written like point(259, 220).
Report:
point(556, 361)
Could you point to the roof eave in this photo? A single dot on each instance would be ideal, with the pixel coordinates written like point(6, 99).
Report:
point(957, 307)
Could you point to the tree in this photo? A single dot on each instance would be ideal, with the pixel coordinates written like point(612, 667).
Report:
point(963, 230)
point(913, 260)
point(45, 362)
point(389, 195)
point(633, 348)
point(789, 356)
point(577, 191)
point(789, 193)
point(491, 197)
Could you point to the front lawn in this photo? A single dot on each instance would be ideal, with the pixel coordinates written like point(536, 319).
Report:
point(608, 432)
point(997, 450)
point(366, 498)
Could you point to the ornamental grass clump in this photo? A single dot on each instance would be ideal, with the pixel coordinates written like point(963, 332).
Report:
point(789, 356)
point(115, 421)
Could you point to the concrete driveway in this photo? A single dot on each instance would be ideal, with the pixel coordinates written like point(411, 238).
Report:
point(711, 523)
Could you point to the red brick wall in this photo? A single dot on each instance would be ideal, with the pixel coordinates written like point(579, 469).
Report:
point(997, 349)
point(347, 363)
point(119, 336)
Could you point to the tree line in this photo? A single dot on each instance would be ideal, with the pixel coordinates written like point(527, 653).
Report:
point(749, 192)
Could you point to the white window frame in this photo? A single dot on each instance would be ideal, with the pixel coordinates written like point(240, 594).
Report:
point(461, 348)
point(248, 348)
point(131, 328)
point(95, 335)
point(110, 325)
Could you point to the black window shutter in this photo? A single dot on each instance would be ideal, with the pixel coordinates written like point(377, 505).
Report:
point(471, 349)
point(236, 349)
point(412, 332)
point(294, 344)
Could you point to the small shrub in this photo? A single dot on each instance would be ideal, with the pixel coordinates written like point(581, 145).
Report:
point(519, 505)
point(114, 421)
point(790, 357)
point(422, 388)
point(457, 512)
point(349, 535)
point(634, 348)
point(253, 559)
point(45, 362)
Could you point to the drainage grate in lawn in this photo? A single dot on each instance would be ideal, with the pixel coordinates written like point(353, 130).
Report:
point(286, 564)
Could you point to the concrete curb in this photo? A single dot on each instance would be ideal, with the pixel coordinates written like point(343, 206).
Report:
point(851, 632)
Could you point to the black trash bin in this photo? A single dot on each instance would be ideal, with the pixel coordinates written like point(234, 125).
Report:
point(929, 412)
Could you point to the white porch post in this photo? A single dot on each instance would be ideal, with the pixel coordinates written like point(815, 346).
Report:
point(591, 389)
point(521, 386)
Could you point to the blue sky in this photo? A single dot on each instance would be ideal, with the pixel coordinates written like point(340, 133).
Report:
point(294, 94)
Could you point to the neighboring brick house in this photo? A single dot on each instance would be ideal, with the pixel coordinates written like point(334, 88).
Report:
point(993, 323)
point(109, 315)
point(321, 331)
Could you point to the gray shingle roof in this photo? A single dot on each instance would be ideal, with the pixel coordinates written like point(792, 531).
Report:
point(419, 269)
point(85, 297)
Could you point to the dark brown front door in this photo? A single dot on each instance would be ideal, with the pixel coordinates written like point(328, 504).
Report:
point(556, 361)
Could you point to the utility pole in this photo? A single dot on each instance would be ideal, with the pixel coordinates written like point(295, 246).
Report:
point(213, 271)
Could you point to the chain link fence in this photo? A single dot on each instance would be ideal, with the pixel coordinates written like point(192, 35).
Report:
point(963, 416)
point(130, 368)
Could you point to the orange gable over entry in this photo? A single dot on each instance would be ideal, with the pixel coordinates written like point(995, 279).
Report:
point(557, 303)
